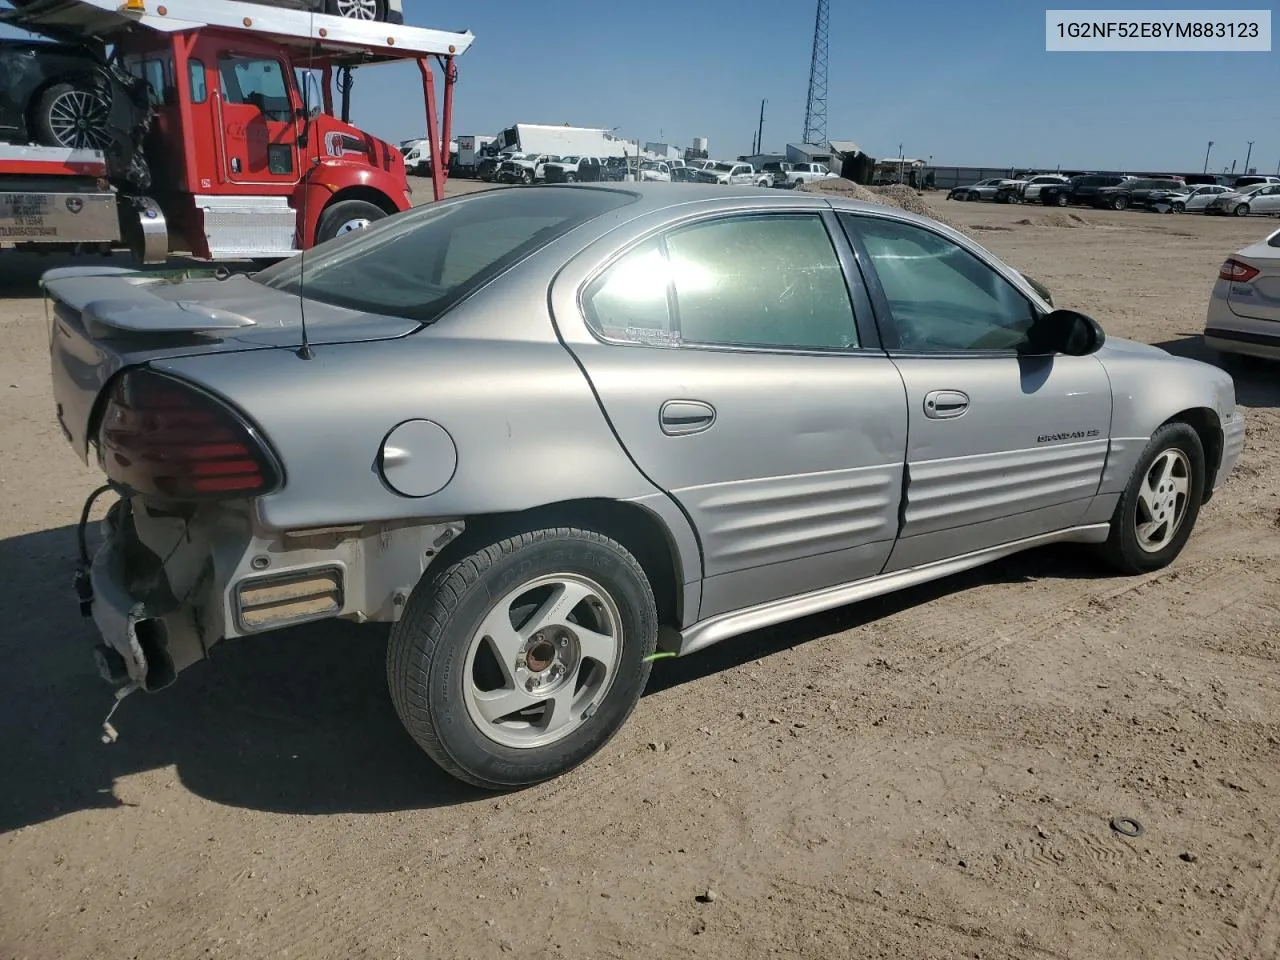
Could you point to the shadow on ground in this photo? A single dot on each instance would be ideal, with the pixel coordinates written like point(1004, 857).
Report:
point(296, 722)
point(1257, 381)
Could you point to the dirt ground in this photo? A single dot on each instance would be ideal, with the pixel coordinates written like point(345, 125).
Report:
point(930, 775)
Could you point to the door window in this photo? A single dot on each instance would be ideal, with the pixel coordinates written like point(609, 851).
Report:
point(257, 82)
point(770, 281)
point(195, 70)
point(943, 298)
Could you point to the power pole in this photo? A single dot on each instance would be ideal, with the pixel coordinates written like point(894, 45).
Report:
point(815, 113)
point(760, 130)
point(1206, 156)
point(1247, 156)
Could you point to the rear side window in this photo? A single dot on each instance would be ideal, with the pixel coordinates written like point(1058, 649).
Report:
point(753, 281)
point(771, 281)
point(419, 263)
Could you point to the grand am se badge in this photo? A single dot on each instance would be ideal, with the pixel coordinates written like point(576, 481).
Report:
point(1073, 435)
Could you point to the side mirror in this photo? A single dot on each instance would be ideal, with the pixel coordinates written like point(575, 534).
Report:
point(1067, 332)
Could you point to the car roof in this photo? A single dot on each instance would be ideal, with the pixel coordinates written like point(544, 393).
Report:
point(655, 198)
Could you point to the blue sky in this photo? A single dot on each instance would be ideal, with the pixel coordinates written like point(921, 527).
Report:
point(966, 84)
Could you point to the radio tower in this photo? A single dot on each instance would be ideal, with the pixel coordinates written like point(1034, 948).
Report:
point(815, 113)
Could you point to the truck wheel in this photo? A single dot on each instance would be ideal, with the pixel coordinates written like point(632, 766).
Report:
point(346, 216)
point(357, 9)
point(1159, 507)
point(67, 115)
point(570, 178)
point(517, 663)
point(1061, 199)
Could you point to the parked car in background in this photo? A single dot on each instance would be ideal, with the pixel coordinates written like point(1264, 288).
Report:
point(1244, 307)
point(777, 171)
point(1079, 189)
point(655, 171)
point(1133, 192)
point(725, 173)
point(595, 423)
point(1189, 199)
point(1253, 179)
point(1243, 201)
point(1028, 189)
point(982, 190)
point(616, 169)
point(524, 167)
point(808, 172)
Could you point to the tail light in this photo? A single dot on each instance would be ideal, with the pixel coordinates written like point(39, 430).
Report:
point(162, 437)
point(1237, 271)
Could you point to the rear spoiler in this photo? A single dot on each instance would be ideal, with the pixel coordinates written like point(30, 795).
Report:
point(129, 308)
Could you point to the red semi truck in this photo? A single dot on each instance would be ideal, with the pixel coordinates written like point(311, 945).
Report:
point(240, 152)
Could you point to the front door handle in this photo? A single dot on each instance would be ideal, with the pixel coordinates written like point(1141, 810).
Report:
point(681, 417)
point(945, 404)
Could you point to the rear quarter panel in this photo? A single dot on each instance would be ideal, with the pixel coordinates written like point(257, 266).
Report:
point(525, 425)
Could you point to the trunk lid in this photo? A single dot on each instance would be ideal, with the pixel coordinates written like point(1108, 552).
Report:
point(103, 319)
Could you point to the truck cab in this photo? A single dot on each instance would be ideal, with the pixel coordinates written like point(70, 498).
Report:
point(247, 157)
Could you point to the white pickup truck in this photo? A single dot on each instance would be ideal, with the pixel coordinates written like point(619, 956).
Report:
point(723, 172)
point(805, 172)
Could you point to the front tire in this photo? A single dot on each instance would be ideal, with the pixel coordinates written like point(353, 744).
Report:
point(1242, 210)
point(517, 663)
point(1160, 504)
point(347, 216)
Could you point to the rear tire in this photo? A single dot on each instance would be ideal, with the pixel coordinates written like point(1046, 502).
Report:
point(451, 685)
point(346, 216)
point(1160, 504)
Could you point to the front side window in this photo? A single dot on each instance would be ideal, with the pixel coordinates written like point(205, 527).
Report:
point(256, 82)
point(943, 298)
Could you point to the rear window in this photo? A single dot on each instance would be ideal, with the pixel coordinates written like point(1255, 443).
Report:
point(420, 263)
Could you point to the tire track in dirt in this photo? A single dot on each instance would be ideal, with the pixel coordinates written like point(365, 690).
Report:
point(1257, 924)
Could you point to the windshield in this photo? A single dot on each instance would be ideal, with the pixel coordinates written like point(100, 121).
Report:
point(723, 167)
point(1252, 188)
point(419, 263)
point(650, 165)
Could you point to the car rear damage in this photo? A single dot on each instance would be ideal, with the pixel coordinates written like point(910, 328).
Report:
point(184, 560)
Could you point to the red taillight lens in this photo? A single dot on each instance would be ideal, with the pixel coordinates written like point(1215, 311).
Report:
point(162, 437)
point(1235, 270)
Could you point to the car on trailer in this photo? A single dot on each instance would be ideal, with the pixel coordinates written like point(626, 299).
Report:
point(246, 158)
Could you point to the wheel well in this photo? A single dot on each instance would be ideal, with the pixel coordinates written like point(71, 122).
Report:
point(630, 525)
point(374, 196)
point(1205, 423)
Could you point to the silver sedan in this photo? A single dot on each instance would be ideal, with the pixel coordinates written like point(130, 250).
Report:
point(551, 434)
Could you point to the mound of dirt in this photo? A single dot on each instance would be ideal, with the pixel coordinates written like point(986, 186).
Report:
point(894, 195)
point(1054, 219)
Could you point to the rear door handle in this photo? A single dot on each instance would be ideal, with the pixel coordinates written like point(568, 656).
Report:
point(945, 404)
point(680, 417)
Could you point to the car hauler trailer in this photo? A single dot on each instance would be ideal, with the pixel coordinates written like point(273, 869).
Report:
point(246, 157)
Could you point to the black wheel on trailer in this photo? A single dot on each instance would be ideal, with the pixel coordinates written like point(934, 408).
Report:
point(72, 115)
point(357, 9)
point(347, 216)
